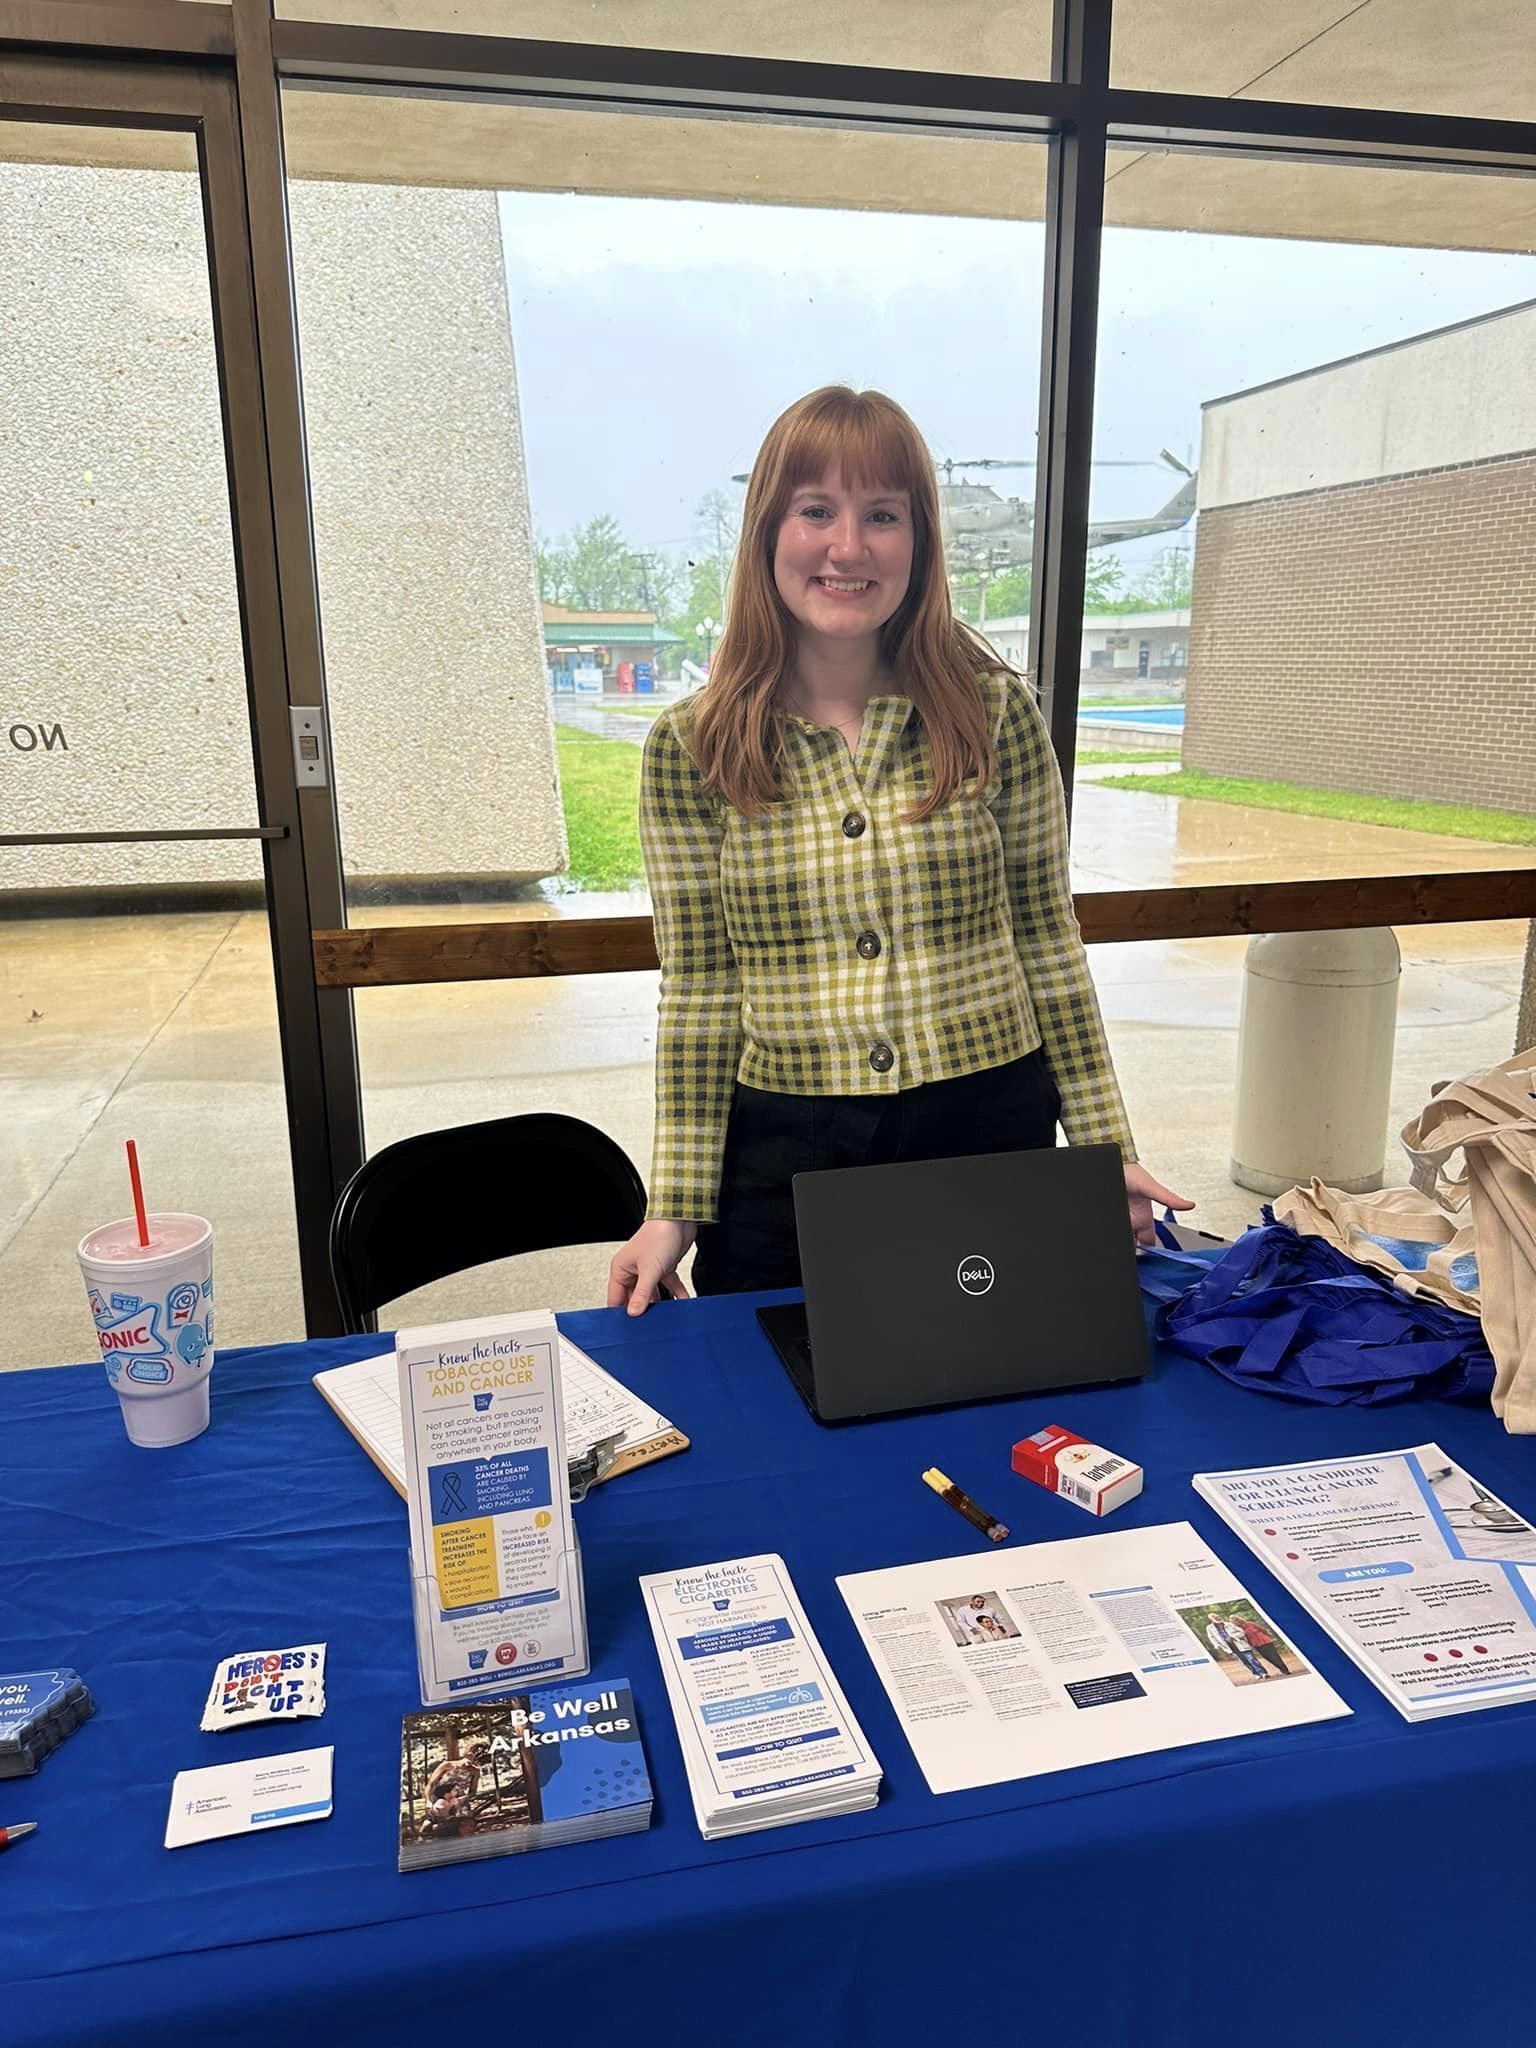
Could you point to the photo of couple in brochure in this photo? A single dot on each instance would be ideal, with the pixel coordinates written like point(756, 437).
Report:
point(973, 1618)
point(1246, 1649)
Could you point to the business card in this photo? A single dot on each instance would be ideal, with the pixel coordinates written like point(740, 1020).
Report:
point(247, 1798)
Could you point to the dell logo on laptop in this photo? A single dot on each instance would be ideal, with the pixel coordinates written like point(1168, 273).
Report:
point(975, 1273)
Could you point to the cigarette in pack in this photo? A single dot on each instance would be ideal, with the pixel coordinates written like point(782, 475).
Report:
point(1067, 1463)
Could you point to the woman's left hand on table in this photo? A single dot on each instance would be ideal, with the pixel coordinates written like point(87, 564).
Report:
point(1142, 1194)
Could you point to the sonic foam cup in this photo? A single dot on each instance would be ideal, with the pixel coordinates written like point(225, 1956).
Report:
point(153, 1310)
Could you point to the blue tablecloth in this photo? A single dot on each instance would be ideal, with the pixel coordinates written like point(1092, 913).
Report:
point(1360, 1879)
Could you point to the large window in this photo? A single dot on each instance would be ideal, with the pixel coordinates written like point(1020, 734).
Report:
point(1302, 635)
point(529, 412)
point(555, 269)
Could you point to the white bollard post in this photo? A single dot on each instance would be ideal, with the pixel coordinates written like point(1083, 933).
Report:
point(1314, 1060)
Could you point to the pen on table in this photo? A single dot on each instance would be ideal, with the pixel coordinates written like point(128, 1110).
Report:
point(14, 1834)
point(990, 1527)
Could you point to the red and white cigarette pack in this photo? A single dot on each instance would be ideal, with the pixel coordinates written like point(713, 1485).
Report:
point(1064, 1462)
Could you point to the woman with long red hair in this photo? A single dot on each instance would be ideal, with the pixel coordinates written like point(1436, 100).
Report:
point(856, 844)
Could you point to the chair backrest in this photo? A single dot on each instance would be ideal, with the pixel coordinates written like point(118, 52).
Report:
point(448, 1200)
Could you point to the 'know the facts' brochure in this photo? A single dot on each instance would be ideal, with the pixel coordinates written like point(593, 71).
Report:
point(493, 1547)
point(766, 1734)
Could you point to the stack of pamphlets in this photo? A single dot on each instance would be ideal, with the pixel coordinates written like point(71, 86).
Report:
point(767, 1736)
point(532, 1771)
point(1419, 1573)
point(37, 1710)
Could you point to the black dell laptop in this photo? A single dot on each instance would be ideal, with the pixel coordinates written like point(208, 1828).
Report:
point(950, 1280)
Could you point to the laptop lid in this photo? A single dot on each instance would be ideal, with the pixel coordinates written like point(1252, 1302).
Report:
point(944, 1280)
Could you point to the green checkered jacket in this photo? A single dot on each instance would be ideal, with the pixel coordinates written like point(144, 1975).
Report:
point(826, 947)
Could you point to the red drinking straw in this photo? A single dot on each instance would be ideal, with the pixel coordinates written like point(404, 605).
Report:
point(138, 1192)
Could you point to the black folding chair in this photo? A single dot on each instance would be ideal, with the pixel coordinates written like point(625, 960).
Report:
point(449, 1200)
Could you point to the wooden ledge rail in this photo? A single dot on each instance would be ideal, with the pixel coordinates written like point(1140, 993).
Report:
point(388, 956)
point(383, 956)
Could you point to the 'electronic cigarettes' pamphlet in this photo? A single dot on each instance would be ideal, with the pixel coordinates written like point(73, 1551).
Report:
point(493, 1547)
point(1059, 1654)
point(766, 1733)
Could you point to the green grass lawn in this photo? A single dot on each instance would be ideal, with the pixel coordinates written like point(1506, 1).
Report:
point(1125, 703)
point(599, 790)
point(1456, 821)
point(1099, 757)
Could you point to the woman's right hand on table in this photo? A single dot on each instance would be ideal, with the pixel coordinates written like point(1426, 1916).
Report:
point(647, 1263)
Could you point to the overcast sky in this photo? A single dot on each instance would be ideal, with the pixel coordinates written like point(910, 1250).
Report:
point(657, 339)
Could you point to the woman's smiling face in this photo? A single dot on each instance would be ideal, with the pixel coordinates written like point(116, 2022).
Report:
point(843, 558)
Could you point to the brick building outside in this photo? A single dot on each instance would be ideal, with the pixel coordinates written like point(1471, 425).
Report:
point(1365, 577)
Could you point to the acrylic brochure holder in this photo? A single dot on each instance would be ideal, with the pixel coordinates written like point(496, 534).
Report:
point(496, 1587)
point(509, 1651)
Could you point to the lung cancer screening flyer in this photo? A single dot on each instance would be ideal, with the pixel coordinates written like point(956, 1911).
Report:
point(1059, 1654)
point(498, 1593)
point(1414, 1567)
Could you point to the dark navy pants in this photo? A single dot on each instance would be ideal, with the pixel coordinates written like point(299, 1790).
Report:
point(770, 1138)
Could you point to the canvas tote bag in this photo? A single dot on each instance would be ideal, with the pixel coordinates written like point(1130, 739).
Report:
point(1491, 1121)
point(1398, 1231)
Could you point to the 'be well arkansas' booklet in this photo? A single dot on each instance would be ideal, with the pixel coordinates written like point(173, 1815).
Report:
point(532, 1771)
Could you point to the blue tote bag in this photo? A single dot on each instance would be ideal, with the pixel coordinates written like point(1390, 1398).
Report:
point(1289, 1315)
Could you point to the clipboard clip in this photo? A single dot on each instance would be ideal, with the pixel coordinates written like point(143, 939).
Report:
point(594, 1464)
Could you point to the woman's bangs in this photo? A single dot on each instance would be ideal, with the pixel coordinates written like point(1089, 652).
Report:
point(872, 447)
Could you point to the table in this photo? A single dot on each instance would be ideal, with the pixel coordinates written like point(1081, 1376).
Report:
point(1359, 1879)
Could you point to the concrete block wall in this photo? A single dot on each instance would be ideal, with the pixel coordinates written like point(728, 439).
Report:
point(1373, 637)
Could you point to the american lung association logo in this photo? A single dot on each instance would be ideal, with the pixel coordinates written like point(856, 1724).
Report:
point(975, 1273)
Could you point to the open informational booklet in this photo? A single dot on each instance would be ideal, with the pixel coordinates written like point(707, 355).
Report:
point(1058, 1654)
point(366, 1397)
point(1423, 1576)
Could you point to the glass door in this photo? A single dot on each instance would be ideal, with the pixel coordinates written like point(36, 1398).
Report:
point(153, 916)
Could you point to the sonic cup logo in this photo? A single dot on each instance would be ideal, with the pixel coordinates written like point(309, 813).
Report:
point(134, 1334)
point(975, 1273)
